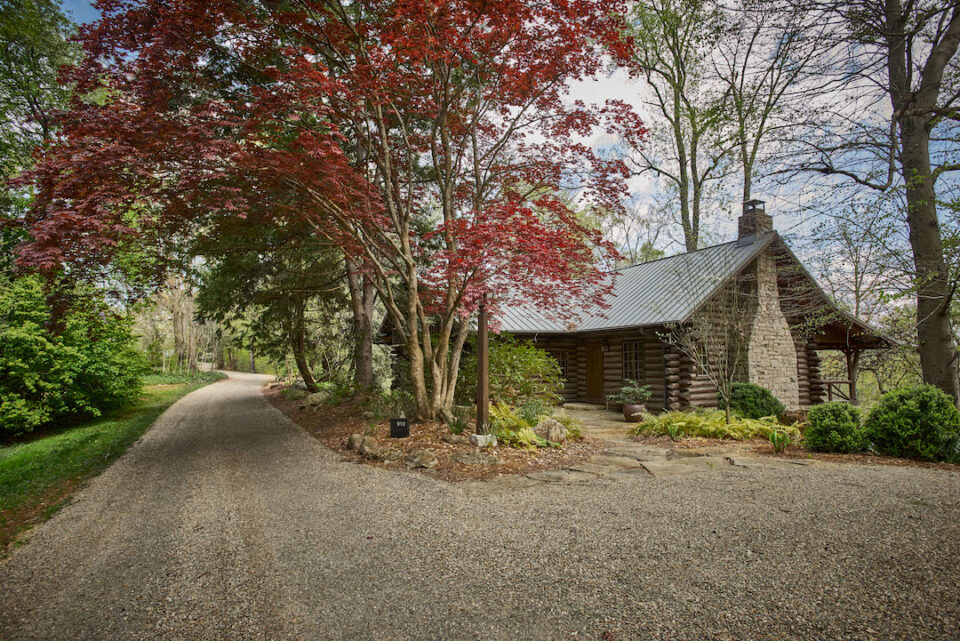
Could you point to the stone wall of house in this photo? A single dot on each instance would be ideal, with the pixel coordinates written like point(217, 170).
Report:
point(772, 353)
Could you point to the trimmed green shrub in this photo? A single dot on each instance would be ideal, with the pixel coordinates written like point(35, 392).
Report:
point(709, 424)
point(519, 373)
point(914, 422)
point(834, 427)
point(748, 400)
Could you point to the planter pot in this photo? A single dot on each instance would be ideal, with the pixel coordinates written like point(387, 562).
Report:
point(484, 440)
point(630, 409)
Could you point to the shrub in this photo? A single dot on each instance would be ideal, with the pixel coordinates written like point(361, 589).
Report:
point(833, 427)
point(511, 429)
point(90, 366)
point(780, 440)
point(519, 373)
point(709, 424)
point(632, 393)
point(459, 420)
point(914, 422)
point(748, 400)
point(534, 410)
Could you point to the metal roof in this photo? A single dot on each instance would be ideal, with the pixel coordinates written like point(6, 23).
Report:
point(661, 291)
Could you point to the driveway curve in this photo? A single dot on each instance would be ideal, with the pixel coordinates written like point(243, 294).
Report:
point(227, 522)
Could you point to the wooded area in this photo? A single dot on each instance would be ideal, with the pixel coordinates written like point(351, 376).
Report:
point(239, 181)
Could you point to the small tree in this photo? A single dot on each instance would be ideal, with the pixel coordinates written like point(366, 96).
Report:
point(716, 336)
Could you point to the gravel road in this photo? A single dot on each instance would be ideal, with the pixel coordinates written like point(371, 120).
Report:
point(227, 522)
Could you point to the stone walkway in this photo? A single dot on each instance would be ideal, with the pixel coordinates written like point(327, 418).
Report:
point(628, 459)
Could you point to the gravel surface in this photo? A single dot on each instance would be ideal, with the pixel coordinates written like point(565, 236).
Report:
point(228, 522)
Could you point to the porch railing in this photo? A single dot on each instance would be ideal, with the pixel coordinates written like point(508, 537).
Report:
point(836, 389)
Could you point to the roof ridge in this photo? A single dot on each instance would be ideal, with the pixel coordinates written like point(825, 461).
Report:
point(693, 251)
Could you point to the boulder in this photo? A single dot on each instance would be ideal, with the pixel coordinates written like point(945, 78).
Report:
point(296, 394)
point(422, 458)
point(455, 439)
point(484, 440)
point(317, 398)
point(354, 441)
point(551, 430)
point(369, 446)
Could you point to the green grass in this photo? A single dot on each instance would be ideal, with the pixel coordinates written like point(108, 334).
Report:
point(38, 476)
point(180, 378)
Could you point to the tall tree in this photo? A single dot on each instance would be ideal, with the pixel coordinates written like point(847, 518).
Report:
point(674, 41)
point(888, 121)
point(428, 140)
point(33, 46)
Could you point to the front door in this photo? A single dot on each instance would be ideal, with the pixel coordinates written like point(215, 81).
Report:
point(594, 372)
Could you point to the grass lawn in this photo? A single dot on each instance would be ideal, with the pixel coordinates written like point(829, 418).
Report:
point(38, 476)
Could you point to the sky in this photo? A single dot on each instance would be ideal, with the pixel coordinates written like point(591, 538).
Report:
point(80, 10)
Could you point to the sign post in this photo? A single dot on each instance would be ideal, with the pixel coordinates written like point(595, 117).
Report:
point(483, 370)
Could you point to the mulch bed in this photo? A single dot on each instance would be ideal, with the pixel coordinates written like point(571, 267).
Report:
point(332, 426)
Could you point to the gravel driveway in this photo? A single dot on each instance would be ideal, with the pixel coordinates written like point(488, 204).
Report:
point(227, 522)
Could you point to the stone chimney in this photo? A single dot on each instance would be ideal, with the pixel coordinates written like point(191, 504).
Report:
point(754, 220)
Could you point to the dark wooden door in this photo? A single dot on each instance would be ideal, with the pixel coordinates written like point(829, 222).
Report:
point(594, 373)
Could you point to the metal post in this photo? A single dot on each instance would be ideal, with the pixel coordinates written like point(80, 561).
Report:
point(483, 370)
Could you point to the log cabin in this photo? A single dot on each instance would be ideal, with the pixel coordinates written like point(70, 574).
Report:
point(789, 322)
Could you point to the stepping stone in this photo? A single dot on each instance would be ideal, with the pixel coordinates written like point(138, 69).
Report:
point(671, 468)
point(562, 476)
point(639, 454)
point(743, 462)
point(583, 407)
point(630, 473)
point(685, 453)
point(595, 468)
point(618, 461)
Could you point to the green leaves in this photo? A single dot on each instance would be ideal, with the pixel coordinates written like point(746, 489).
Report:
point(89, 367)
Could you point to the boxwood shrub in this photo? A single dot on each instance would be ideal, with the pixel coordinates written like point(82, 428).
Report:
point(914, 422)
point(748, 400)
point(834, 427)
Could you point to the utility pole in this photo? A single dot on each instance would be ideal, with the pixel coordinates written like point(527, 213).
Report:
point(483, 370)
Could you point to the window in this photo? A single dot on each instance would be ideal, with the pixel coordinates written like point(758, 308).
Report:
point(633, 361)
point(561, 358)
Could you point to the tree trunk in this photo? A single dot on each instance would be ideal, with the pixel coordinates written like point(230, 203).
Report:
point(298, 346)
point(912, 112)
point(362, 295)
point(253, 360)
point(938, 352)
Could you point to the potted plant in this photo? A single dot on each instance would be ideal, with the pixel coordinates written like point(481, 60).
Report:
point(632, 398)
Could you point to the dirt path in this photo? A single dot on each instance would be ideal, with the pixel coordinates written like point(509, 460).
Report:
point(227, 522)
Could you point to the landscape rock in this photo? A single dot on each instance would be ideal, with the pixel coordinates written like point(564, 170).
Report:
point(369, 446)
point(455, 439)
point(422, 458)
point(551, 430)
point(477, 458)
point(354, 441)
point(295, 394)
point(317, 398)
point(484, 440)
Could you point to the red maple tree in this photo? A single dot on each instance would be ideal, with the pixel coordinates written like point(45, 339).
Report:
point(433, 141)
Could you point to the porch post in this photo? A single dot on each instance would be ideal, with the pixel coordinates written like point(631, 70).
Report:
point(483, 370)
point(853, 356)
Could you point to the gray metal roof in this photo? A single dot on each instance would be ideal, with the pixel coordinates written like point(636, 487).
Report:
point(661, 291)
